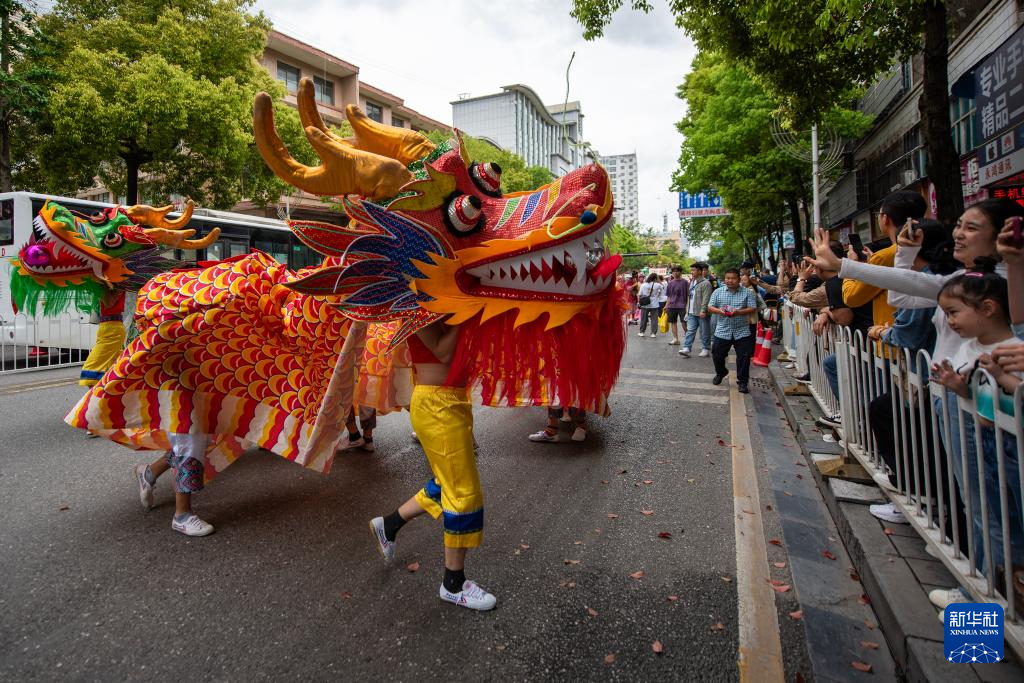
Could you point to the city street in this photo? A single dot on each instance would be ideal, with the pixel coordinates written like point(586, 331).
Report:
point(596, 551)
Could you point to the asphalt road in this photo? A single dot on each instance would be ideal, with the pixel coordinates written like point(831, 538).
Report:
point(291, 584)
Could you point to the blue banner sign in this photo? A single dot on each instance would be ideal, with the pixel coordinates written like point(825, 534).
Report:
point(703, 204)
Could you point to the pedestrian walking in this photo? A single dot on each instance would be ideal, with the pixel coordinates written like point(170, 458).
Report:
point(188, 451)
point(678, 292)
point(549, 434)
point(733, 304)
point(697, 315)
point(650, 293)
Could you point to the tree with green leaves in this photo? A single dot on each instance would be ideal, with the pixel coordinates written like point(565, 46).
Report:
point(813, 54)
point(157, 91)
point(23, 79)
point(728, 146)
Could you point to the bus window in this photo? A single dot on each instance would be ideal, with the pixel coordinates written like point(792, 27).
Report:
point(6, 222)
point(215, 252)
point(237, 249)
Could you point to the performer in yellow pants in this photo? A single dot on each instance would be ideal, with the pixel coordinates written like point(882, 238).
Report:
point(110, 339)
point(443, 419)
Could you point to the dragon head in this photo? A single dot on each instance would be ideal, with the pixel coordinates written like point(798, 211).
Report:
point(431, 236)
point(117, 247)
point(432, 215)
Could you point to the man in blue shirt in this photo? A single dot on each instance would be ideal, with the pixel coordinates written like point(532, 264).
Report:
point(733, 304)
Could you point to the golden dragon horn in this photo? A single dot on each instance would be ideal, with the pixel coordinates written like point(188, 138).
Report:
point(345, 169)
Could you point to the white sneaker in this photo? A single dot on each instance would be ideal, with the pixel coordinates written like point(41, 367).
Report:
point(386, 547)
point(889, 513)
point(684, 352)
point(471, 596)
point(674, 342)
point(347, 444)
point(641, 334)
point(543, 437)
point(652, 335)
point(145, 488)
point(704, 353)
point(580, 434)
point(830, 420)
point(943, 598)
point(192, 526)
point(566, 417)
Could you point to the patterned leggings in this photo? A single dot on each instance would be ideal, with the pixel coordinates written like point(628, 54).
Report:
point(186, 459)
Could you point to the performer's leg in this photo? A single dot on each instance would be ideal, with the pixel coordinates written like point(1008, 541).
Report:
point(368, 421)
point(550, 431)
point(579, 418)
point(186, 458)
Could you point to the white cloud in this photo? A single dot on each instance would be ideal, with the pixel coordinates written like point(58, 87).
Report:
point(429, 51)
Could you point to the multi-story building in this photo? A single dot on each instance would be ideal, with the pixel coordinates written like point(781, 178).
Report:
point(622, 170)
point(892, 155)
point(336, 84)
point(517, 120)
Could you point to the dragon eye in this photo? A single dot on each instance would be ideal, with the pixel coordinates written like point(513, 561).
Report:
point(463, 214)
point(112, 240)
point(487, 177)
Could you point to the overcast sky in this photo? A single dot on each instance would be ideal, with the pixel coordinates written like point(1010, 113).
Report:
point(429, 51)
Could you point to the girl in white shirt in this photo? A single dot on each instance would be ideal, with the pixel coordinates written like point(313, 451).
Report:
point(976, 305)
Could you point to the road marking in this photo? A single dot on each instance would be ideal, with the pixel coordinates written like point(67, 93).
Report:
point(666, 373)
point(669, 395)
point(760, 656)
point(36, 386)
point(673, 383)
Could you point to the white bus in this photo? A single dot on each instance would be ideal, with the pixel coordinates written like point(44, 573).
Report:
point(34, 336)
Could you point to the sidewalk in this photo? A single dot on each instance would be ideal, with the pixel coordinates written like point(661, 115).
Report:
point(891, 560)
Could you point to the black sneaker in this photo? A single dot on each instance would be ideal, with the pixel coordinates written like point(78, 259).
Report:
point(743, 389)
point(717, 380)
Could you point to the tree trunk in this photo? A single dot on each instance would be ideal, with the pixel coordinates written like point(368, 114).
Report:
point(798, 233)
point(5, 116)
point(943, 167)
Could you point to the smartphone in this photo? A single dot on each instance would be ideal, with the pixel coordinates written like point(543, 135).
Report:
point(857, 245)
point(1016, 234)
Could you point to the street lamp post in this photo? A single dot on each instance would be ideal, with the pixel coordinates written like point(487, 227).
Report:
point(821, 163)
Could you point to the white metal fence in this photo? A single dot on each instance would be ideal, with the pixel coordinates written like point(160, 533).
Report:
point(942, 451)
point(29, 343)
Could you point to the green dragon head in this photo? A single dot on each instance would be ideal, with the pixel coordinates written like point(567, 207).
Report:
point(72, 258)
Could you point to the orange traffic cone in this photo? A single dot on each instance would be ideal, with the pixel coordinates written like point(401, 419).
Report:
point(763, 353)
point(760, 337)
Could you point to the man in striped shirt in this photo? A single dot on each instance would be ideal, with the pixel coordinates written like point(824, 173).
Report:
point(733, 304)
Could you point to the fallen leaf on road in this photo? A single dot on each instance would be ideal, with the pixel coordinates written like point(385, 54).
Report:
point(517, 552)
point(638, 575)
point(718, 627)
point(567, 584)
point(608, 659)
point(413, 566)
point(571, 561)
point(870, 624)
point(833, 539)
point(524, 546)
point(749, 512)
point(788, 493)
point(775, 541)
point(867, 644)
point(648, 481)
point(64, 508)
point(861, 666)
point(784, 588)
point(888, 531)
point(854, 576)
point(647, 513)
point(799, 476)
point(799, 614)
point(768, 507)
point(591, 611)
point(665, 534)
point(612, 515)
point(864, 599)
point(597, 531)
point(623, 471)
point(500, 648)
point(657, 647)
point(692, 481)
point(721, 442)
point(828, 555)
point(779, 565)
point(604, 481)
point(346, 594)
point(726, 579)
point(673, 598)
point(577, 543)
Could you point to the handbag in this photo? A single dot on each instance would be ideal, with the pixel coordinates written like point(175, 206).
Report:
point(663, 322)
point(645, 299)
